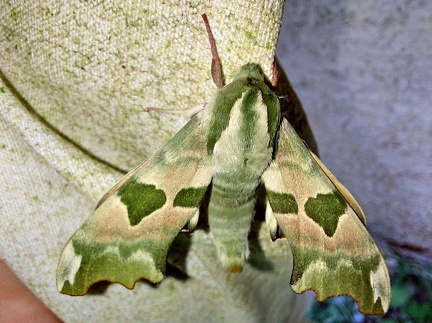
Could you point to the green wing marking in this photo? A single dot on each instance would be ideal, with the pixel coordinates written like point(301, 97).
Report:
point(140, 199)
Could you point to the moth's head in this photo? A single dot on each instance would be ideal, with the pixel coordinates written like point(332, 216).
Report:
point(250, 70)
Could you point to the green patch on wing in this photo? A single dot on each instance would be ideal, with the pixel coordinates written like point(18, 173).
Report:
point(141, 200)
point(331, 274)
point(282, 202)
point(325, 210)
point(123, 262)
point(190, 197)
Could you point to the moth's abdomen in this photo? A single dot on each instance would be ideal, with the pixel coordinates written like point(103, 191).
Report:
point(230, 214)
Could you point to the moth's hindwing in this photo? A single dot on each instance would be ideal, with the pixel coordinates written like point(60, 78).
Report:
point(128, 235)
point(332, 250)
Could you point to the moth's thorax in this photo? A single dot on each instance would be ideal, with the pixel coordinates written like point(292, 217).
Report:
point(244, 145)
point(245, 117)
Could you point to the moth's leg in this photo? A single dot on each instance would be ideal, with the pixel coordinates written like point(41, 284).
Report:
point(272, 224)
point(188, 113)
point(194, 221)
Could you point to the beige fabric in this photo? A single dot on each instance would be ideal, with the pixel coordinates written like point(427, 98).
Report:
point(75, 79)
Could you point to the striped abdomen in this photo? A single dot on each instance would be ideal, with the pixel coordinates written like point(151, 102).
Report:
point(241, 154)
point(230, 213)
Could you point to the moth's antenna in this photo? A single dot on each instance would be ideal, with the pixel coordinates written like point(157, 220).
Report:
point(216, 67)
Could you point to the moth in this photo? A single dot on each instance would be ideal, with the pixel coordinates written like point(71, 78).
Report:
point(238, 142)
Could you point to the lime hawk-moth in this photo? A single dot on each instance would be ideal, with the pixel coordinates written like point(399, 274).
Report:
point(235, 144)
